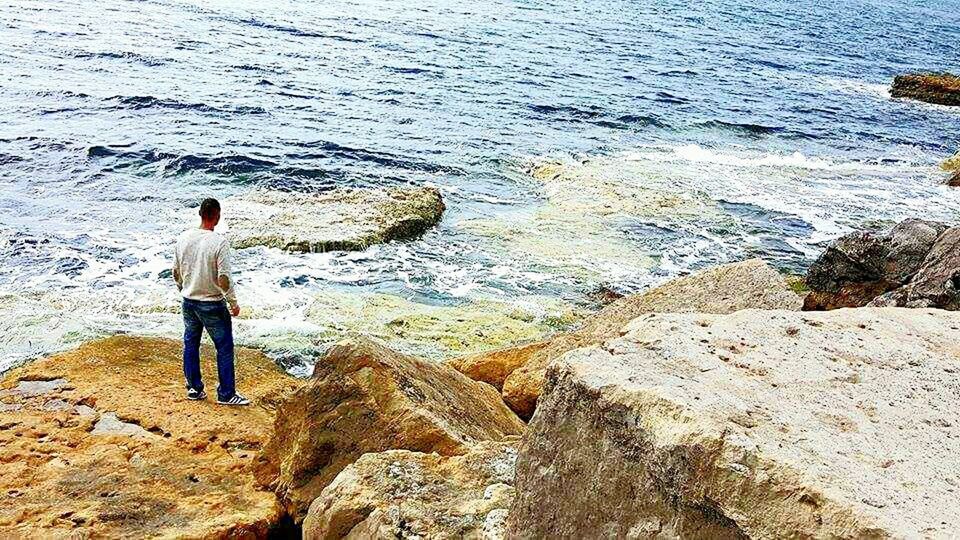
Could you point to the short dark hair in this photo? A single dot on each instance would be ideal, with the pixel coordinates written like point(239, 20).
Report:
point(209, 208)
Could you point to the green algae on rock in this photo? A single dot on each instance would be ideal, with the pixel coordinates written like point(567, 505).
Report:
point(345, 219)
point(580, 227)
point(439, 331)
point(938, 88)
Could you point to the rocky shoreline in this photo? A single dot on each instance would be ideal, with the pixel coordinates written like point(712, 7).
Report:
point(937, 88)
point(711, 406)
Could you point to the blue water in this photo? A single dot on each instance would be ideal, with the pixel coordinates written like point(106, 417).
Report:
point(117, 116)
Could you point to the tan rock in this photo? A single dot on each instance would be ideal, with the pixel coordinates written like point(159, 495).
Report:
point(342, 219)
point(102, 442)
point(760, 424)
point(364, 398)
point(722, 289)
point(952, 164)
point(495, 366)
point(403, 494)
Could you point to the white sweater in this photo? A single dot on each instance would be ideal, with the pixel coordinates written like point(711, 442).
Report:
point(202, 256)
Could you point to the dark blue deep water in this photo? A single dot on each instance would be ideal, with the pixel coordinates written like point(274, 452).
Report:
point(756, 128)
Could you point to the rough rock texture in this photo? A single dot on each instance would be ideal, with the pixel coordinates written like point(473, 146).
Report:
point(102, 442)
point(939, 88)
point(403, 494)
point(494, 367)
point(864, 268)
point(338, 220)
point(764, 424)
point(364, 398)
point(937, 281)
point(722, 289)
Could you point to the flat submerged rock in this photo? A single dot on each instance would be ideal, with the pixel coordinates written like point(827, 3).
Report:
point(760, 424)
point(346, 219)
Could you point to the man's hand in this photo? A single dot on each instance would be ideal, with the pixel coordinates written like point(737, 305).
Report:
point(235, 310)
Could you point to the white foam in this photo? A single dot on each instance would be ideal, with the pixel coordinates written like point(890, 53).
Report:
point(697, 154)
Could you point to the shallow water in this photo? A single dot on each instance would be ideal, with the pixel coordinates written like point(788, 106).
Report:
point(769, 121)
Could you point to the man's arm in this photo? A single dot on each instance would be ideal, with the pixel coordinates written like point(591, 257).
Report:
point(223, 278)
point(177, 278)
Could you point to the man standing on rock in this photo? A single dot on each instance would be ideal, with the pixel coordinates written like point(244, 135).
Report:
point(201, 268)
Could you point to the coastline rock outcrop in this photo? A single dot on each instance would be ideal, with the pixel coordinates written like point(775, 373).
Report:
point(344, 219)
point(938, 88)
point(914, 264)
point(102, 442)
point(403, 494)
point(365, 398)
point(722, 289)
point(766, 424)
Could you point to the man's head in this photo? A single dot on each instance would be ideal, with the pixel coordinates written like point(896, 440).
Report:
point(209, 213)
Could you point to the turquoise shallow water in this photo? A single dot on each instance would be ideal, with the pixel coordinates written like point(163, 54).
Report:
point(769, 121)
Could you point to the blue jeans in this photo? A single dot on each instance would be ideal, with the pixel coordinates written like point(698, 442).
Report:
point(215, 317)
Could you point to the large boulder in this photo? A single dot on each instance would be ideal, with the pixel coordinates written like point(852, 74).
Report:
point(761, 424)
point(101, 442)
point(860, 266)
point(344, 219)
point(939, 88)
point(936, 283)
point(364, 398)
point(403, 494)
point(722, 289)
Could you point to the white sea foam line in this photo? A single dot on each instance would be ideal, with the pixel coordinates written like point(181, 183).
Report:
point(697, 154)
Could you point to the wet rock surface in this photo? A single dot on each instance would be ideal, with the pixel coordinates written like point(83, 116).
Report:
point(439, 331)
point(938, 88)
point(764, 424)
point(911, 265)
point(403, 494)
point(722, 289)
point(102, 442)
point(363, 398)
point(338, 220)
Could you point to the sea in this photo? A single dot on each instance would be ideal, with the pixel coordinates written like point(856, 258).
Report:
point(682, 134)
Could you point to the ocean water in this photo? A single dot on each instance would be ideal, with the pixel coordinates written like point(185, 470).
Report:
point(688, 134)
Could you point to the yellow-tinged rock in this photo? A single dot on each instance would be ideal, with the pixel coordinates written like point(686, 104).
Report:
point(102, 442)
point(952, 164)
point(495, 366)
point(362, 398)
point(402, 494)
point(721, 289)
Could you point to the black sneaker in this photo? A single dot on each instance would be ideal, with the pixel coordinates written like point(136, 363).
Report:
point(196, 395)
point(236, 400)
